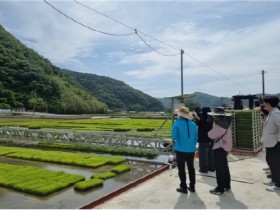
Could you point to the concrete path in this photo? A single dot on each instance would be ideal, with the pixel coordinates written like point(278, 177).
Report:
point(248, 190)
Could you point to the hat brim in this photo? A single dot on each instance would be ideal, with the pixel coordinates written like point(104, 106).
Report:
point(219, 114)
point(189, 117)
point(184, 115)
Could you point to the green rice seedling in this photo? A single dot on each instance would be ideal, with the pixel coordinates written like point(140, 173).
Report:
point(88, 184)
point(108, 124)
point(6, 150)
point(35, 181)
point(120, 169)
point(103, 176)
point(67, 158)
point(100, 149)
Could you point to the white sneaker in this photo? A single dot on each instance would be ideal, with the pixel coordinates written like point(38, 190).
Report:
point(270, 183)
point(273, 189)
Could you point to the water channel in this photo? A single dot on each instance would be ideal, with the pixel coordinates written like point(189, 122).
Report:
point(69, 198)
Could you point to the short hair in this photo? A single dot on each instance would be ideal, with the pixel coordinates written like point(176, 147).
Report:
point(272, 100)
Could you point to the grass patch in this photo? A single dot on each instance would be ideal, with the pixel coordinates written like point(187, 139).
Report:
point(35, 181)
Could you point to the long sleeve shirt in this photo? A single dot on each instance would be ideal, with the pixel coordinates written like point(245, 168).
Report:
point(225, 142)
point(271, 128)
point(184, 134)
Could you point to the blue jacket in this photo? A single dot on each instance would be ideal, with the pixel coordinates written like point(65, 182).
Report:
point(184, 134)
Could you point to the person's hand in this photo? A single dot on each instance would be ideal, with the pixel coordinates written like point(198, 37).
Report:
point(194, 114)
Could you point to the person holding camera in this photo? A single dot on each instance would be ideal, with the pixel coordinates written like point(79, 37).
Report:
point(205, 153)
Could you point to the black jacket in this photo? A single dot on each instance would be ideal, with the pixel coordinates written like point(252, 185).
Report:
point(205, 124)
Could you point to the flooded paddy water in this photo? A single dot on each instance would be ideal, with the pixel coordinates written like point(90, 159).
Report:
point(69, 198)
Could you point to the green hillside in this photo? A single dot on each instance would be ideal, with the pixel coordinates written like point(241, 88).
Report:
point(211, 101)
point(30, 81)
point(116, 94)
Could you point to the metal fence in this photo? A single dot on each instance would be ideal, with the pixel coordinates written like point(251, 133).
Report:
point(111, 139)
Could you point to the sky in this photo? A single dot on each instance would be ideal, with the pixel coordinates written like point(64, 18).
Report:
point(226, 44)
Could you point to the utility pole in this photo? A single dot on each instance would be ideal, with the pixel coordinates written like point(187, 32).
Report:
point(182, 82)
point(263, 93)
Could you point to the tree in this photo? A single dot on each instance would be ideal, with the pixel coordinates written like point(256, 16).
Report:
point(135, 107)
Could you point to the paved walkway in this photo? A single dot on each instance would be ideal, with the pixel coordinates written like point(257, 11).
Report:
point(248, 190)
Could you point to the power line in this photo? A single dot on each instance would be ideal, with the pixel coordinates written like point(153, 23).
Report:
point(159, 41)
point(204, 64)
point(111, 34)
point(151, 46)
point(103, 14)
point(136, 31)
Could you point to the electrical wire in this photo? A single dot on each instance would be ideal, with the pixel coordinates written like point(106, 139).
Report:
point(103, 14)
point(159, 41)
point(215, 71)
point(111, 34)
point(152, 47)
point(136, 31)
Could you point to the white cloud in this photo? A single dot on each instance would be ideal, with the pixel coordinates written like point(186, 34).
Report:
point(228, 37)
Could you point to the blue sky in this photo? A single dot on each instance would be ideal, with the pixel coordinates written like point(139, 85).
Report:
point(226, 43)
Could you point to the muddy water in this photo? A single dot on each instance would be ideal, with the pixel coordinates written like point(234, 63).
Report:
point(69, 198)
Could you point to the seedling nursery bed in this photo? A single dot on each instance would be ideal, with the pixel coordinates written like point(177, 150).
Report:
point(69, 198)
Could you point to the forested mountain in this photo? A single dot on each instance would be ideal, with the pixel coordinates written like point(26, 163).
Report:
point(210, 100)
point(116, 94)
point(201, 100)
point(30, 81)
point(206, 100)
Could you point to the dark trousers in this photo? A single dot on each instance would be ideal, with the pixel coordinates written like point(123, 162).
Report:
point(206, 159)
point(273, 160)
point(222, 169)
point(267, 157)
point(182, 158)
